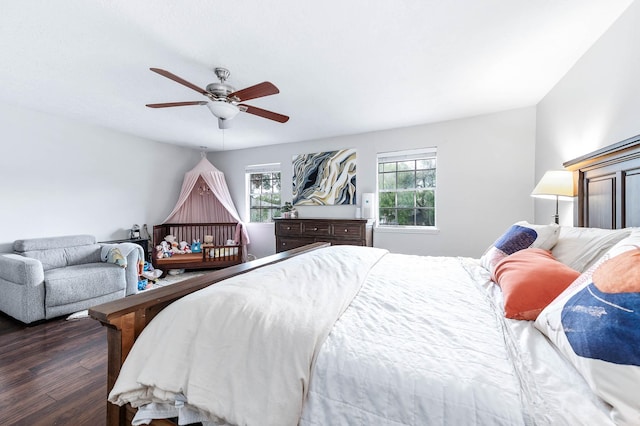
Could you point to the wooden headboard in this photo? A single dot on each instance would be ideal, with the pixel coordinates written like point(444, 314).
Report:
point(609, 185)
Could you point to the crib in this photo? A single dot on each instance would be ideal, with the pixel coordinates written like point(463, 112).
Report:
point(221, 245)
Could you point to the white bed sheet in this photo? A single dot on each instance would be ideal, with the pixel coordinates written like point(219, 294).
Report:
point(423, 343)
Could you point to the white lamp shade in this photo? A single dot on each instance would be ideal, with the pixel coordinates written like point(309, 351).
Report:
point(223, 110)
point(555, 183)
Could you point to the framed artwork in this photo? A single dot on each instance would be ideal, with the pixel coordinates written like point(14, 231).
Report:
point(325, 178)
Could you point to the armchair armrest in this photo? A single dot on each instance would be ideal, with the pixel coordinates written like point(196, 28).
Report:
point(21, 270)
point(134, 255)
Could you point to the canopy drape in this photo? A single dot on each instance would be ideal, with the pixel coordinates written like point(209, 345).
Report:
point(197, 205)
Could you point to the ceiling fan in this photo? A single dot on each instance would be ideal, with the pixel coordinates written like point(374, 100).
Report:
point(224, 100)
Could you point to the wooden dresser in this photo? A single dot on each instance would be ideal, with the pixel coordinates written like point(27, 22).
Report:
point(292, 233)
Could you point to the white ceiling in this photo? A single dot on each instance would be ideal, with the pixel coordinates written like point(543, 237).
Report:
point(342, 67)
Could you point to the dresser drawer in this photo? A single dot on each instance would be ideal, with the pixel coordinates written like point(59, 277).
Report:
point(316, 229)
point(347, 230)
point(288, 228)
point(284, 244)
point(293, 233)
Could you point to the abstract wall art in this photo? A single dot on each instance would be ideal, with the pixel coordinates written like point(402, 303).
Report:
point(325, 178)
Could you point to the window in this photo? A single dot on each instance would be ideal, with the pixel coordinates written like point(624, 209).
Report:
point(407, 188)
point(263, 189)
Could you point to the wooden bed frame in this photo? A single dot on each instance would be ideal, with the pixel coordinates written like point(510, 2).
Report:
point(126, 318)
point(608, 197)
point(215, 255)
point(609, 186)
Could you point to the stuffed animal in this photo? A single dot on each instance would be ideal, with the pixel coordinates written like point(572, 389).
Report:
point(184, 247)
point(159, 252)
point(166, 249)
point(196, 246)
point(174, 247)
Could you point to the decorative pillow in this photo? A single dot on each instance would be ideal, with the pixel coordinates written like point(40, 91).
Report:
point(520, 236)
point(595, 323)
point(579, 247)
point(530, 279)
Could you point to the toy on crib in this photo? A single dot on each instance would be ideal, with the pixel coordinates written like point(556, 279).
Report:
point(196, 246)
point(184, 247)
point(159, 252)
point(173, 244)
point(166, 249)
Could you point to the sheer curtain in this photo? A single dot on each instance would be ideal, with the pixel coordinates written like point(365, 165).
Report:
point(196, 204)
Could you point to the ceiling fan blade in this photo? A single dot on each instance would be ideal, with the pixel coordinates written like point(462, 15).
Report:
point(175, 104)
point(179, 80)
point(264, 113)
point(259, 90)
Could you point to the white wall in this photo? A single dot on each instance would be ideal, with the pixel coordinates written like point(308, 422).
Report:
point(484, 178)
point(60, 177)
point(594, 105)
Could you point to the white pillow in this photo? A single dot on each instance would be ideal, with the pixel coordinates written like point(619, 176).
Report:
point(595, 323)
point(579, 248)
point(519, 236)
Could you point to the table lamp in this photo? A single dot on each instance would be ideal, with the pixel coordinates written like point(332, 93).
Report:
point(555, 184)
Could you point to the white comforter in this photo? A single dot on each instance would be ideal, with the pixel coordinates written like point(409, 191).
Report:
point(426, 343)
point(241, 351)
point(423, 342)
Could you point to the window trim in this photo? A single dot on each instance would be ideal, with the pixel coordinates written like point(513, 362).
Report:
point(258, 169)
point(406, 155)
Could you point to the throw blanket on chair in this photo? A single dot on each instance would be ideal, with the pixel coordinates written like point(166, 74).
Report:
point(118, 253)
point(242, 351)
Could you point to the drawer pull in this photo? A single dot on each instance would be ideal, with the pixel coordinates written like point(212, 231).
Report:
point(284, 244)
point(315, 229)
point(346, 230)
point(288, 228)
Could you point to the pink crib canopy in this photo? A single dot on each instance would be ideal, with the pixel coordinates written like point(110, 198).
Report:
point(205, 198)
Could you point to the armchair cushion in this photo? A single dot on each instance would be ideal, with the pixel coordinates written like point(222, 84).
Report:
point(83, 282)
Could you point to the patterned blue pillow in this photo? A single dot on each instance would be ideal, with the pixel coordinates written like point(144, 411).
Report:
point(603, 326)
point(595, 323)
point(520, 236)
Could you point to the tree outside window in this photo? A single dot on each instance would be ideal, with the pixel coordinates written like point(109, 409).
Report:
point(265, 199)
point(407, 188)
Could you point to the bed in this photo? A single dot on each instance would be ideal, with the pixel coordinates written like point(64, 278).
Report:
point(220, 245)
point(397, 339)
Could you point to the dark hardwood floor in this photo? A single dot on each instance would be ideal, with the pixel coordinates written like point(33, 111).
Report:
point(53, 373)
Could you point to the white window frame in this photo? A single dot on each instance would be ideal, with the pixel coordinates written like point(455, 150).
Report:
point(256, 169)
point(405, 155)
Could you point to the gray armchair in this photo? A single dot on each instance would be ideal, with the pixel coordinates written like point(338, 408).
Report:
point(49, 277)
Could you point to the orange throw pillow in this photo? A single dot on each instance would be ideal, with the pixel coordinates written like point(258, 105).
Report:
point(530, 279)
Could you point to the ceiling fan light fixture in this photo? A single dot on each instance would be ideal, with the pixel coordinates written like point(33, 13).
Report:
point(223, 110)
point(224, 124)
point(223, 100)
